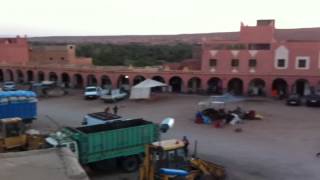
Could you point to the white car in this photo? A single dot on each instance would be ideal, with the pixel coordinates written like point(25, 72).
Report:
point(92, 92)
point(9, 86)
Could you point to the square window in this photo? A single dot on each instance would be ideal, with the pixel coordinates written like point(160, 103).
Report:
point(235, 62)
point(213, 62)
point(252, 62)
point(302, 63)
point(281, 63)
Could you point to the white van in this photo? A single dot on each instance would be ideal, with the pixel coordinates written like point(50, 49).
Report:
point(92, 92)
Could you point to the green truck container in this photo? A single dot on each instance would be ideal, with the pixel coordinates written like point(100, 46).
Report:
point(121, 140)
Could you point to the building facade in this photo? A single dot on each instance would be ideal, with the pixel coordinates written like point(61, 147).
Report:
point(257, 60)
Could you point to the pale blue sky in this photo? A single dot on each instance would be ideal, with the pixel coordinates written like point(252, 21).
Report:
point(121, 17)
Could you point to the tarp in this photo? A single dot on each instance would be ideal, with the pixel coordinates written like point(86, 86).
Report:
point(220, 101)
point(142, 90)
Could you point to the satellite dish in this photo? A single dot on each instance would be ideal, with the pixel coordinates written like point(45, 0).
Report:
point(166, 124)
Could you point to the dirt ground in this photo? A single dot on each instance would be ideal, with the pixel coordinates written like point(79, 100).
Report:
point(281, 146)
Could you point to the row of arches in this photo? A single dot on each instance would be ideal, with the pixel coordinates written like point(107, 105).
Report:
point(213, 85)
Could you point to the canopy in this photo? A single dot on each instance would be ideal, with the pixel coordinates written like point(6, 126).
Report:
point(142, 90)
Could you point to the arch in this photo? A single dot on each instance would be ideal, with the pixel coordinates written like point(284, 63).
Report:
point(106, 82)
point(9, 75)
point(159, 78)
point(123, 82)
point(194, 85)
point(40, 76)
point(137, 79)
point(91, 80)
point(235, 86)
point(53, 76)
point(214, 86)
point(257, 87)
point(65, 79)
point(158, 89)
point(1, 75)
point(176, 84)
point(301, 87)
point(77, 81)
point(30, 76)
point(279, 87)
point(20, 76)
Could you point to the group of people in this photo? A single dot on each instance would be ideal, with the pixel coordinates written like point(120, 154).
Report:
point(115, 109)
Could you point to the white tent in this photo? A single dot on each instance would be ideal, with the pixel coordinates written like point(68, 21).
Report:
point(142, 90)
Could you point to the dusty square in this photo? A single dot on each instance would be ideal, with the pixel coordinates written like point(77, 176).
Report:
point(281, 146)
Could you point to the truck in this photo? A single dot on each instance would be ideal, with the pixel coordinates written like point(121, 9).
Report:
point(120, 141)
point(114, 95)
point(22, 104)
point(48, 89)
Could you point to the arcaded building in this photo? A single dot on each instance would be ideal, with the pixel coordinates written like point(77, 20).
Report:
point(257, 60)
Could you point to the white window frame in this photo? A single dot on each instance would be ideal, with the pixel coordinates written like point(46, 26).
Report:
point(306, 58)
point(285, 63)
point(281, 52)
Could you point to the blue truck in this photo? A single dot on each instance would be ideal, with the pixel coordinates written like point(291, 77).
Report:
point(21, 104)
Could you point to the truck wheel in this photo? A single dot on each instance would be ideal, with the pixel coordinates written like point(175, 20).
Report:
point(105, 165)
point(130, 163)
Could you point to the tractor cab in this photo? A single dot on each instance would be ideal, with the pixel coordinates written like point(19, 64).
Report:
point(162, 154)
point(169, 153)
point(12, 133)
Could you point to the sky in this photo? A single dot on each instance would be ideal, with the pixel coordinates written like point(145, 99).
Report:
point(144, 17)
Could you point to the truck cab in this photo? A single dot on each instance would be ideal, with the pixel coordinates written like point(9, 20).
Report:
point(61, 139)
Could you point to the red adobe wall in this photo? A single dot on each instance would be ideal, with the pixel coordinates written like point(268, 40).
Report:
point(14, 50)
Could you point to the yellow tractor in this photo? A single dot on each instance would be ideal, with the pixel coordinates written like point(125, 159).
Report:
point(13, 136)
point(167, 160)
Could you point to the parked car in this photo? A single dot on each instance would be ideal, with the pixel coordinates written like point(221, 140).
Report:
point(48, 89)
point(294, 100)
point(9, 86)
point(92, 92)
point(313, 100)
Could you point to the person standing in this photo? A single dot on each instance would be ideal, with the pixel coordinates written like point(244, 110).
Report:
point(186, 144)
point(115, 110)
point(106, 110)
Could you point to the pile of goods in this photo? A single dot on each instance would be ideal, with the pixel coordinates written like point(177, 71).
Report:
point(220, 117)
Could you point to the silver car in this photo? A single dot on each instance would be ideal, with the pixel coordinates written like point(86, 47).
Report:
point(9, 86)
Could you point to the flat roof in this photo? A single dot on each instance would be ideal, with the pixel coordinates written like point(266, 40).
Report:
point(46, 164)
